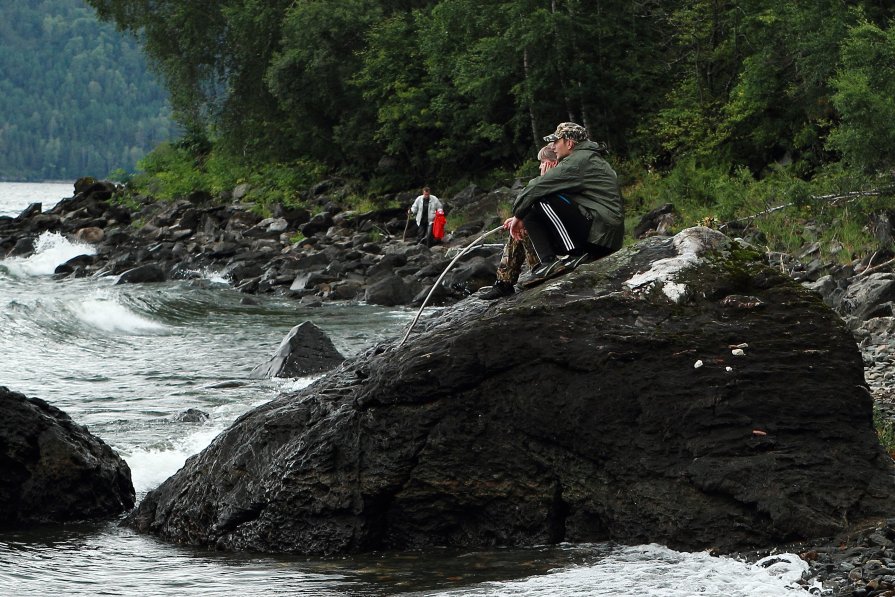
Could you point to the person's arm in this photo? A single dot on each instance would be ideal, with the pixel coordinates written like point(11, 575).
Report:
point(564, 177)
point(415, 207)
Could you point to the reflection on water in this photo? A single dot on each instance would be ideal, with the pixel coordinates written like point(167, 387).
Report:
point(107, 559)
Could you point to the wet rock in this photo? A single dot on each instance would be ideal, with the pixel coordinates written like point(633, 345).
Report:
point(30, 211)
point(54, 470)
point(73, 264)
point(192, 415)
point(143, 274)
point(306, 350)
point(567, 412)
point(23, 246)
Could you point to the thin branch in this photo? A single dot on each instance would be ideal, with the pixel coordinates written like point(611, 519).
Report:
point(875, 268)
point(832, 199)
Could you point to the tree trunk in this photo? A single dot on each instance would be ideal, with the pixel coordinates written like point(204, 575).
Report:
point(530, 99)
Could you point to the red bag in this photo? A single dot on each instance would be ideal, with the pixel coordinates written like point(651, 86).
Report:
point(438, 225)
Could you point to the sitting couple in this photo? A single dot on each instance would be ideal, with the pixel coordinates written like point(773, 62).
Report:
point(572, 213)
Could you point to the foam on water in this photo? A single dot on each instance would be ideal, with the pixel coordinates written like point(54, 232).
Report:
point(50, 251)
point(150, 467)
point(110, 316)
point(656, 571)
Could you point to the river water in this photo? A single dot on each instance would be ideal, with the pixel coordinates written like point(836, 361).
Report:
point(125, 360)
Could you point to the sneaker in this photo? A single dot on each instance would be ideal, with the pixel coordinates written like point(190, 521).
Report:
point(580, 260)
point(499, 290)
point(544, 272)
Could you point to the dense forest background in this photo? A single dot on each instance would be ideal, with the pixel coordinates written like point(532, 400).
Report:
point(76, 96)
point(403, 92)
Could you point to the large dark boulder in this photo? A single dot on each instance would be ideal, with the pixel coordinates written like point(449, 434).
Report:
point(54, 470)
point(389, 291)
point(306, 350)
point(679, 391)
point(869, 297)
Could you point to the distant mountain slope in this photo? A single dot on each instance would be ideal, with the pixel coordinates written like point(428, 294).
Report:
point(76, 97)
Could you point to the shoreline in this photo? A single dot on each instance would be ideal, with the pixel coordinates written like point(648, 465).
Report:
point(870, 551)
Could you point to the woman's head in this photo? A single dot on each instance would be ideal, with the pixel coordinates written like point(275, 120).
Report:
point(547, 158)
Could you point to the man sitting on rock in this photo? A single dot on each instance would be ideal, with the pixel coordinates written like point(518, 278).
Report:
point(572, 213)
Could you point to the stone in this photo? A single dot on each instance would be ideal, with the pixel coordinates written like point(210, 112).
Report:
point(192, 415)
point(653, 220)
point(54, 470)
point(241, 190)
point(319, 223)
point(306, 350)
point(23, 246)
point(91, 235)
point(143, 274)
point(569, 412)
point(79, 261)
point(389, 291)
point(863, 297)
point(32, 210)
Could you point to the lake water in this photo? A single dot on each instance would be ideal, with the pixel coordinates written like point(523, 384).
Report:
point(125, 360)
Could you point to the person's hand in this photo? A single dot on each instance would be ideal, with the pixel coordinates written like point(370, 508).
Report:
point(516, 227)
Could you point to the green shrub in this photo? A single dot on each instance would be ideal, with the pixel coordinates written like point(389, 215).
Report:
point(885, 431)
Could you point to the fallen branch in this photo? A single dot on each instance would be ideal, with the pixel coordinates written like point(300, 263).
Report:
point(831, 199)
point(875, 268)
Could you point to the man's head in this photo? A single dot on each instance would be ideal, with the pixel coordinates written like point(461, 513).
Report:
point(426, 191)
point(566, 136)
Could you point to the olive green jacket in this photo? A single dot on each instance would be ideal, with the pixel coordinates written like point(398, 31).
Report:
point(587, 179)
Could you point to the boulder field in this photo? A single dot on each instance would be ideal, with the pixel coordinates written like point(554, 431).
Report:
point(679, 392)
point(54, 470)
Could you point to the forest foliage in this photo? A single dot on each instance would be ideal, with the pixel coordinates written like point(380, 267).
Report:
point(439, 89)
point(76, 95)
point(725, 107)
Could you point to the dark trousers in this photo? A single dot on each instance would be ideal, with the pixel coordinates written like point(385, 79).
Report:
point(556, 226)
point(424, 234)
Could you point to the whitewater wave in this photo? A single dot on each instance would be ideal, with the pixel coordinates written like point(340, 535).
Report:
point(110, 316)
point(50, 251)
point(151, 466)
point(654, 571)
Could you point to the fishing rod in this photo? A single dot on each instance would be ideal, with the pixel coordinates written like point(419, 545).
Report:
point(438, 281)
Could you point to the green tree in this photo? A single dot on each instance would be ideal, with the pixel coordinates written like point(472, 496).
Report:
point(865, 98)
point(69, 82)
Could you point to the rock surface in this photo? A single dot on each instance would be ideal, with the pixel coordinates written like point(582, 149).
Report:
point(574, 411)
point(54, 470)
point(306, 350)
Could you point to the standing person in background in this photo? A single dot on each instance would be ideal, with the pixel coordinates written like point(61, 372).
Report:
point(517, 252)
point(424, 208)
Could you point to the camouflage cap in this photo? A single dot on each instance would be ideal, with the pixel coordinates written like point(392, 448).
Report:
point(568, 130)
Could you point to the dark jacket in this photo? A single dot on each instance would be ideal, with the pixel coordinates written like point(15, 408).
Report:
point(587, 179)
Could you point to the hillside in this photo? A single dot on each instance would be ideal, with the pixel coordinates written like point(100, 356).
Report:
point(75, 94)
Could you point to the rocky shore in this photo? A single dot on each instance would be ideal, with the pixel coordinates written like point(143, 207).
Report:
point(329, 254)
